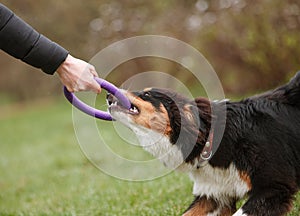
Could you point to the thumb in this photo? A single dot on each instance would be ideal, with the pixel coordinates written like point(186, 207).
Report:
point(95, 87)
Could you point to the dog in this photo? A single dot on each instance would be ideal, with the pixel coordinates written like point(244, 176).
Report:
point(258, 156)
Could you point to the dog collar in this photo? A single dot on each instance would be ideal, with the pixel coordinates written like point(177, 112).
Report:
point(217, 125)
point(207, 151)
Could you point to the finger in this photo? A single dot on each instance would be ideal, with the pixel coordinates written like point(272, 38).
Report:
point(95, 87)
point(93, 71)
point(89, 85)
point(71, 89)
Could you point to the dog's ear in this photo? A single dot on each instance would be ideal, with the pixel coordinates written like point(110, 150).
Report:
point(204, 112)
point(192, 117)
point(175, 120)
point(191, 120)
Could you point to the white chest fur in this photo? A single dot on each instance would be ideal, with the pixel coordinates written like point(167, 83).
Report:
point(160, 147)
point(221, 184)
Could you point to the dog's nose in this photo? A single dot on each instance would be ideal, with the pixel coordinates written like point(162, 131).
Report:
point(110, 99)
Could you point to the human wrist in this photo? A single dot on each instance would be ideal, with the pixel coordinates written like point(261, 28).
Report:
point(65, 65)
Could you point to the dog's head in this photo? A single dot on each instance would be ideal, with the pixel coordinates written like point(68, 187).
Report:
point(168, 125)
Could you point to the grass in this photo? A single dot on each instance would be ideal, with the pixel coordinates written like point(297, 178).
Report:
point(44, 172)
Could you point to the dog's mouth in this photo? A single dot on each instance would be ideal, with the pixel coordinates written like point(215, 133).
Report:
point(114, 105)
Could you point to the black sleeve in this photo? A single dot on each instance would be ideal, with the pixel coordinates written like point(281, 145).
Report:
point(20, 40)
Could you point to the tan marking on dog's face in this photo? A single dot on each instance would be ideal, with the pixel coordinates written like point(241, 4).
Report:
point(147, 89)
point(149, 116)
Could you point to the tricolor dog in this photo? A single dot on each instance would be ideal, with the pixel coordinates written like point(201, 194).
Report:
point(258, 156)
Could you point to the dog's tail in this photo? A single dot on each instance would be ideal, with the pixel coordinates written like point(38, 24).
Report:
point(288, 93)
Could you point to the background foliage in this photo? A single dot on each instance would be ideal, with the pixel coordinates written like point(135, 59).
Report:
point(252, 44)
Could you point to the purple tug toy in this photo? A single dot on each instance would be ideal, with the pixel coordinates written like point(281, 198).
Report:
point(95, 112)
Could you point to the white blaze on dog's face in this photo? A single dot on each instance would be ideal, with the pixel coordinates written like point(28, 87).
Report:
point(149, 117)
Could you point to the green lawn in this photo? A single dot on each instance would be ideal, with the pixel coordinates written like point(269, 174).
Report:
point(44, 172)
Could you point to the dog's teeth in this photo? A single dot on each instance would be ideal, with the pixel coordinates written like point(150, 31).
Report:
point(115, 103)
point(134, 110)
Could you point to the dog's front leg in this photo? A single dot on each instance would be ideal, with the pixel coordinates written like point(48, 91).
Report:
point(203, 206)
point(268, 202)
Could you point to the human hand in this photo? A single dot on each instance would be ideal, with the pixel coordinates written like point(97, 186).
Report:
point(78, 75)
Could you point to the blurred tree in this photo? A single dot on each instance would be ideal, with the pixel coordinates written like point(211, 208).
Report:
point(243, 39)
point(253, 44)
